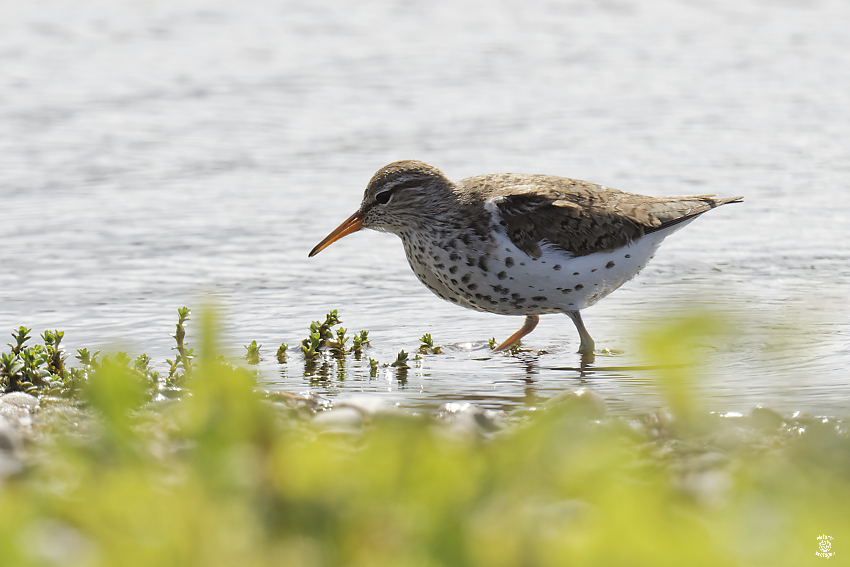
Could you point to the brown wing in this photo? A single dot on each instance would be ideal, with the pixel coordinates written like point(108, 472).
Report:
point(583, 217)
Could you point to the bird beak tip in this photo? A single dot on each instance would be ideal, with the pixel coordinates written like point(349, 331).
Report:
point(351, 224)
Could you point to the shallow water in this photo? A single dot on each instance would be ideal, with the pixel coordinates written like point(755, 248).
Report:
point(158, 153)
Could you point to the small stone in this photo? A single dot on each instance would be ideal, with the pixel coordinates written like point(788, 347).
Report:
point(340, 420)
point(584, 401)
point(365, 404)
point(20, 399)
point(763, 418)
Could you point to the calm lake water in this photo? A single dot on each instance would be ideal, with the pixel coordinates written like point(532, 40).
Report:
point(158, 153)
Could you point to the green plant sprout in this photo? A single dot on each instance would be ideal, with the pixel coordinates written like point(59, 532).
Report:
point(360, 340)
point(281, 353)
point(427, 346)
point(87, 358)
point(184, 355)
point(22, 336)
point(401, 361)
point(253, 353)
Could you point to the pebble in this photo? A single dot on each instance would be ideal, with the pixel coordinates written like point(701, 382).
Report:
point(581, 401)
point(340, 420)
point(19, 399)
point(10, 443)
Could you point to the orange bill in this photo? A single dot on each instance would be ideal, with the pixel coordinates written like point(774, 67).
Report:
point(351, 224)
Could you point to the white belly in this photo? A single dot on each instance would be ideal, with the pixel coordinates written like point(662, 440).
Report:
point(507, 281)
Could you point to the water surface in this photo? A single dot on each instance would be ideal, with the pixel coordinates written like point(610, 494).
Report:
point(158, 153)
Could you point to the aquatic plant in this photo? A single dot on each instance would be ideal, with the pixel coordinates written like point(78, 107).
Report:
point(281, 353)
point(401, 360)
point(253, 353)
point(427, 346)
point(322, 336)
point(184, 354)
point(360, 340)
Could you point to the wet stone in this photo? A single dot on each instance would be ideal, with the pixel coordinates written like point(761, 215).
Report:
point(340, 419)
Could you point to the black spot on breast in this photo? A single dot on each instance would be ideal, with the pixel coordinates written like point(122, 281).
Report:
point(453, 269)
point(628, 255)
point(503, 223)
point(593, 270)
point(478, 296)
point(465, 238)
point(466, 278)
point(579, 287)
point(533, 306)
point(538, 298)
point(421, 248)
point(440, 266)
point(500, 289)
point(482, 263)
point(576, 273)
point(556, 267)
point(522, 263)
point(516, 296)
point(454, 256)
point(509, 261)
point(453, 299)
point(568, 290)
point(472, 286)
point(609, 265)
point(572, 304)
point(501, 275)
point(470, 261)
point(454, 281)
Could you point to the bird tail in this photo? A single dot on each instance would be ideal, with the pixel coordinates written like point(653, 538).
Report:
point(701, 204)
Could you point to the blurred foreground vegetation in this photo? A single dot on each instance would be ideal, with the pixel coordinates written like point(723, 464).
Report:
point(115, 475)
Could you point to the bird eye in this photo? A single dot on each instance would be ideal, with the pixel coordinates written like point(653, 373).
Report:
point(383, 197)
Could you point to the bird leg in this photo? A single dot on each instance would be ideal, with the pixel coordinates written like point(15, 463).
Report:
point(527, 327)
point(587, 344)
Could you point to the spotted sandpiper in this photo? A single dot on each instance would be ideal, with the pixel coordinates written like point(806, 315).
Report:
point(518, 244)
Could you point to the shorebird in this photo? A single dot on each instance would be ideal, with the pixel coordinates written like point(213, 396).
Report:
point(519, 244)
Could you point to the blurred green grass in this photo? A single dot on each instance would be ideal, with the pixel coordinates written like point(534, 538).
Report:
point(227, 477)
